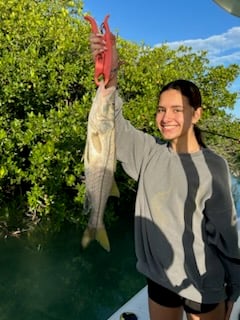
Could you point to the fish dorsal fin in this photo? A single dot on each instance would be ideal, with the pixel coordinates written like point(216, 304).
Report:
point(115, 191)
point(96, 142)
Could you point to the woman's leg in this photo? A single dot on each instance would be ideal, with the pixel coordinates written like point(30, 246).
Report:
point(158, 312)
point(163, 303)
point(216, 314)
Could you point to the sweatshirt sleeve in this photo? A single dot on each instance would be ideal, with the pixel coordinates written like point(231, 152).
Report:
point(131, 144)
point(222, 227)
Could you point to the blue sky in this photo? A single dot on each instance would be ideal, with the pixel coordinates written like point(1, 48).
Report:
point(201, 24)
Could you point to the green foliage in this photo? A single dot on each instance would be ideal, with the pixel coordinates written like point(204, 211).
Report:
point(147, 69)
point(46, 89)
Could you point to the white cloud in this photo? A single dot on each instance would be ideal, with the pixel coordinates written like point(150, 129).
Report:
point(222, 49)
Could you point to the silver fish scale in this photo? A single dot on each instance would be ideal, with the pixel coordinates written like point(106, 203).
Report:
point(99, 161)
point(99, 183)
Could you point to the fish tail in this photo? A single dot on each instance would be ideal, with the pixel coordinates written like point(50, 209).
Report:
point(100, 235)
point(102, 238)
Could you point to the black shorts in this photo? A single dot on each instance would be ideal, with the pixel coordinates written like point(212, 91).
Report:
point(167, 298)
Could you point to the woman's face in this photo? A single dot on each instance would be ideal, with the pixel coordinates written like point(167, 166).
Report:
point(175, 117)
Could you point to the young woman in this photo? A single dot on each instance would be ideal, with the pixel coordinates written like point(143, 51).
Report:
point(186, 238)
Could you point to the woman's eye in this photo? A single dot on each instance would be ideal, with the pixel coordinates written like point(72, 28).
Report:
point(160, 110)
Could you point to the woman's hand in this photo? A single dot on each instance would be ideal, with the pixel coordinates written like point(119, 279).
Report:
point(98, 46)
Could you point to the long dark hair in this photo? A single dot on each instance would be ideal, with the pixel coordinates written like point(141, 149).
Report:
point(193, 94)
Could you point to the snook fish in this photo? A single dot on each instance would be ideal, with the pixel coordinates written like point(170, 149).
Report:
point(99, 166)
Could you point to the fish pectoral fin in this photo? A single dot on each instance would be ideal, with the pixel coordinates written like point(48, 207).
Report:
point(100, 235)
point(86, 205)
point(96, 141)
point(115, 191)
point(102, 238)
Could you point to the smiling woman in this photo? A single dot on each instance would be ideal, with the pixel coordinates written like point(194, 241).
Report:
point(179, 110)
point(184, 185)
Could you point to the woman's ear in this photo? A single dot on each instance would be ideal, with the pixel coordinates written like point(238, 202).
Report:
point(197, 115)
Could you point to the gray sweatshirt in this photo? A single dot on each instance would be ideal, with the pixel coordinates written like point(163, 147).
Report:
point(186, 236)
